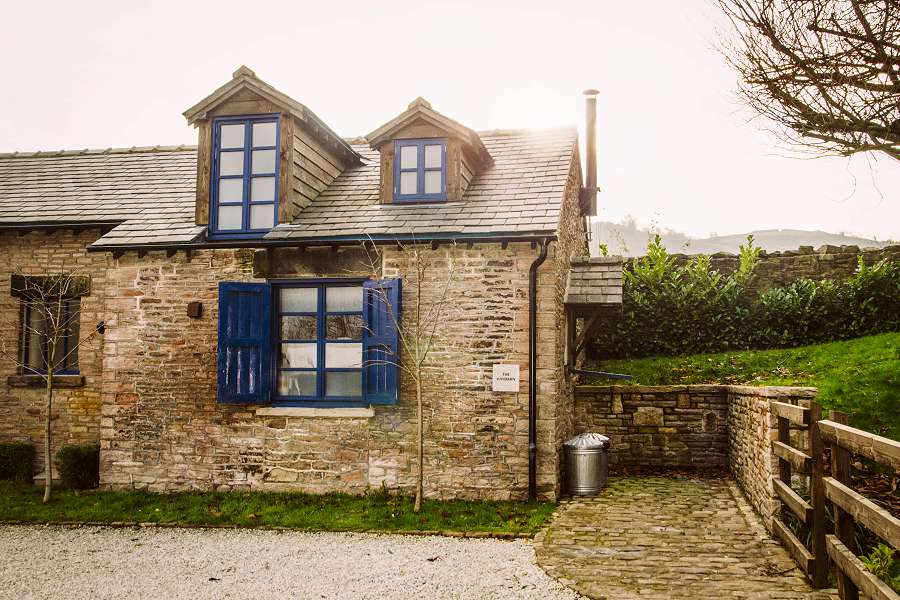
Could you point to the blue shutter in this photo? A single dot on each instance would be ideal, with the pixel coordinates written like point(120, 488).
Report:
point(381, 342)
point(245, 345)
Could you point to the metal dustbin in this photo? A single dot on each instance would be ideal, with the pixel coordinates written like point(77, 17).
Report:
point(587, 463)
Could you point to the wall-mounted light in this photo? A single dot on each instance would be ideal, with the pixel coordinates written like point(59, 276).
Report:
point(194, 310)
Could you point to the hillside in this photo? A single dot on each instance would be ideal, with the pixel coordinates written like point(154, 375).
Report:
point(627, 239)
point(860, 377)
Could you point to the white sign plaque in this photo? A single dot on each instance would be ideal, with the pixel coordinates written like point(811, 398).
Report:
point(506, 378)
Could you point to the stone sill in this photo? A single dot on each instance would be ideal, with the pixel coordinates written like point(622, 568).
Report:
point(306, 411)
point(38, 381)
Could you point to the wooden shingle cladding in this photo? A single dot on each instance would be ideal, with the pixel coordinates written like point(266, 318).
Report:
point(313, 168)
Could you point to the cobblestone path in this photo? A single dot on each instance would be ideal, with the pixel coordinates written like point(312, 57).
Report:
point(656, 537)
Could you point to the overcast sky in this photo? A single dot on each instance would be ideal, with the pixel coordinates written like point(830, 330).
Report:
point(676, 147)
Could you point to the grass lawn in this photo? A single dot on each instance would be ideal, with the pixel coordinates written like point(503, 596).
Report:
point(860, 377)
point(327, 512)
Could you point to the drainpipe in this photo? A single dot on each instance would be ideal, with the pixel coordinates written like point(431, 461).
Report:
point(532, 370)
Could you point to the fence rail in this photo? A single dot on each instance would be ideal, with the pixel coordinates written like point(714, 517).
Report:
point(831, 549)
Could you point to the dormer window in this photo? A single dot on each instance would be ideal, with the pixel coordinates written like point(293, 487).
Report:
point(421, 169)
point(244, 187)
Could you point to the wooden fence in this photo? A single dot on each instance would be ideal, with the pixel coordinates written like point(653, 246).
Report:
point(831, 549)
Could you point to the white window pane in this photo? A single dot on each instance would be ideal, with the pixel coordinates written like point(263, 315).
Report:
point(230, 217)
point(432, 182)
point(262, 216)
point(231, 163)
point(262, 189)
point(263, 134)
point(344, 299)
point(299, 355)
point(343, 356)
point(231, 190)
point(231, 136)
point(409, 157)
point(297, 383)
point(263, 161)
point(343, 384)
point(432, 156)
point(299, 299)
point(408, 183)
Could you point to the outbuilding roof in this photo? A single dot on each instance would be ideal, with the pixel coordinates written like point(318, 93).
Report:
point(147, 195)
point(595, 282)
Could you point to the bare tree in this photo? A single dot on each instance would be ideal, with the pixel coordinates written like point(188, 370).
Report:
point(50, 336)
point(427, 276)
point(826, 71)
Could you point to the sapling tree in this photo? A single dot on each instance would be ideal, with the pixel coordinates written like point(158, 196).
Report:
point(427, 273)
point(49, 338)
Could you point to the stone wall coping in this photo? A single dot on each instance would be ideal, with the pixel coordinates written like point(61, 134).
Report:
point(319, 413)
point(765, 391)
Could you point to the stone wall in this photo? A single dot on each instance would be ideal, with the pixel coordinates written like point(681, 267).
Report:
point(75, 417)
point(776, 269)
point(671, 426)
point(163, 430)
point(751, 429)
point(692, 426)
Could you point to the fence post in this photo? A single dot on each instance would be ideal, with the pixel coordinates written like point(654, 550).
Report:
point(843, 523)
point(817, 497)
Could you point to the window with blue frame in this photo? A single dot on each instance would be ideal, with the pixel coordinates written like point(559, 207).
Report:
point(50, 320)
point(324, 343)
point(320, 330)
point(244, 190)
point(420, 169)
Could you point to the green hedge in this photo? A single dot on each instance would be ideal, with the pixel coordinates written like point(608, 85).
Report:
point(17, 461)
point(671, 309)
point(79, 466)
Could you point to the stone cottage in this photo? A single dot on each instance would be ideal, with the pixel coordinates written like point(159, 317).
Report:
point(248, 285)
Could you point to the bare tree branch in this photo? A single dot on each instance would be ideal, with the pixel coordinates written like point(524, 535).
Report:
point(826, 71)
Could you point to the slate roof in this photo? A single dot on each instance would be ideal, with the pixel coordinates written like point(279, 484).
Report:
point(595, 281)
point(150, 192)
point(521, 192)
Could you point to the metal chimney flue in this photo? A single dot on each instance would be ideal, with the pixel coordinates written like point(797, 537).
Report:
point(589, 194)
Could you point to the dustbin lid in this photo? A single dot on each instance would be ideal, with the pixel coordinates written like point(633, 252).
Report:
point(587, 441)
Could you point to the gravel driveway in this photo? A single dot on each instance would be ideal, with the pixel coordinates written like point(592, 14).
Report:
point(97, 562)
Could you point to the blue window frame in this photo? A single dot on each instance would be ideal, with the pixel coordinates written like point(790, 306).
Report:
point(420, 169)
point(320, 329)
point(38, 318)
point(245, 170)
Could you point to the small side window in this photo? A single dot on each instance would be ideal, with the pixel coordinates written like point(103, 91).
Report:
point(50, 329)
point(420, 171)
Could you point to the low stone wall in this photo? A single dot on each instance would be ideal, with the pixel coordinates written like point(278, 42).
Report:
point(671, 426)
point(692, 426)
point(751, 429)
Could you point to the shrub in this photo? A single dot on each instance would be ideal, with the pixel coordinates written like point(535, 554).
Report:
point(671, 309)
point(17, 461)
point(881, 562)
point(674, 309)
point(79, 466)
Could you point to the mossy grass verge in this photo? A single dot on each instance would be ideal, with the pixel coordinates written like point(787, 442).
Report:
point(860, 376)
point(380, 511)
